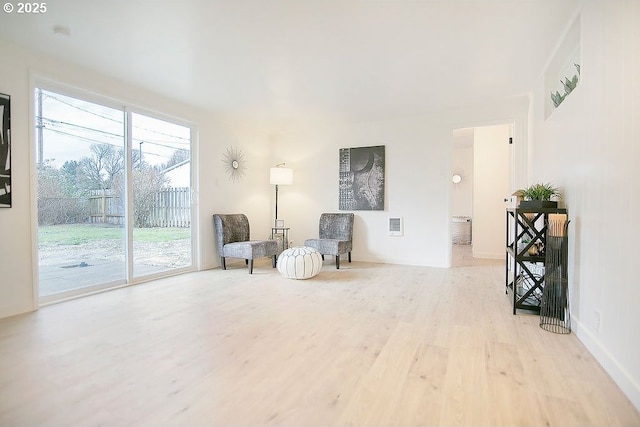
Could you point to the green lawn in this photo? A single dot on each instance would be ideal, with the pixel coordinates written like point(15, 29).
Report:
point(77, 234)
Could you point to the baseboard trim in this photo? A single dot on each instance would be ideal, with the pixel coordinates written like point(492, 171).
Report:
point(629, 386)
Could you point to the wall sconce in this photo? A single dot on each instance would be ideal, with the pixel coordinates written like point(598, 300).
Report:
point(279, 175)
point(456, 179)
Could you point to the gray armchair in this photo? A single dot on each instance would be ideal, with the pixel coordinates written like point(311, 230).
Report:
point(232, 241)
point(335, 236)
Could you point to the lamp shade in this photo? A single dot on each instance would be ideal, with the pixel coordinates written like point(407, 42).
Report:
point(281, 176)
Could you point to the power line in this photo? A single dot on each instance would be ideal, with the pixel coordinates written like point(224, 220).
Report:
point(95, 141)
point(84, 138)
point(109, 134)
point(51, 96)
point(187, 140)
point(146, 141)
point(54, 122)
point(59, 127)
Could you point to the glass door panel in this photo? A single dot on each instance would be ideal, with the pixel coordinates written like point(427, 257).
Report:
point(81, 195)
point(161, 188)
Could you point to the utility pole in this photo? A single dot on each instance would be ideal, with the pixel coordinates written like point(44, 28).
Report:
point(40, 127)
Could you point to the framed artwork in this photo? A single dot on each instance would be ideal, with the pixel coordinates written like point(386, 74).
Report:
point(5, 151)
point(361, 178)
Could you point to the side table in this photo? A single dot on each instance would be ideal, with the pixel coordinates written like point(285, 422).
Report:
point(281, 235)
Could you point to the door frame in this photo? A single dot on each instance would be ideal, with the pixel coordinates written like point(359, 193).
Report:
point(518, 157)
point(43, 82)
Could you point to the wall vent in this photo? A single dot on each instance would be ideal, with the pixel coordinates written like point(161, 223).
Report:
point(395, 226)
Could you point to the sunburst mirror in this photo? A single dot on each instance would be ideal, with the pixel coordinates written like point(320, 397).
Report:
point(234, 164)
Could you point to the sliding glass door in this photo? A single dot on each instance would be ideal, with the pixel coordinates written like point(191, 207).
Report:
point(161, 187)
point(113, 197)
point(81, 181)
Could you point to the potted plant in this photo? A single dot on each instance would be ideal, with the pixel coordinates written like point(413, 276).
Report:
point(539, 196)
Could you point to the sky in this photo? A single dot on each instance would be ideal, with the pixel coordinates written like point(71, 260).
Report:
point(71, 126)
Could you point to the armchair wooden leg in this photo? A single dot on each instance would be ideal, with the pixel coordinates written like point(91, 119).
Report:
point(273, 261)
point(349, 256)
point(337, 262)
point(250, 261)
point(223, 263)
point(322, 255)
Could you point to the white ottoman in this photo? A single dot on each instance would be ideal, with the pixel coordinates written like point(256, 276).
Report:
point(299, 262)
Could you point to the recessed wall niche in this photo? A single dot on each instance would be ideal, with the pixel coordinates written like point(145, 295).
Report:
point(562, 75)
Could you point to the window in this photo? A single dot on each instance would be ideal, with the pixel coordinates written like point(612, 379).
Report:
point(114, 195)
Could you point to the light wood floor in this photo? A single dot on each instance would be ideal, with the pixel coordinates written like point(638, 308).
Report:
point(369, 344)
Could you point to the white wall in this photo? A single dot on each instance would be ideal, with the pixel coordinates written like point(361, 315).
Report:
point(18, 262)
point(15, 227)
point(490, 187)
point(462, 164)
point(418, 180)
point(590, 147)
point(416, 187)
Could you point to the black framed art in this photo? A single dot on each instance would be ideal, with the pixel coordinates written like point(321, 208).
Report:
point(5, 152)
point(361, 178)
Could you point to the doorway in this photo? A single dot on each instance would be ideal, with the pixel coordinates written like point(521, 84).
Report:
point(113, 195)
point(481, 164)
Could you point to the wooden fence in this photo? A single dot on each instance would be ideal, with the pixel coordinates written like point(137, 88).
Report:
point(170, 207)
point(105, 207)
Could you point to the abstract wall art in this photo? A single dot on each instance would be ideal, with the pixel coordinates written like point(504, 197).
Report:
point(5, 151)
point(361, 178)
point(234, 164)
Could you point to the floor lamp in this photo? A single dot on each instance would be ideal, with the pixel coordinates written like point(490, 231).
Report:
point(279, 175)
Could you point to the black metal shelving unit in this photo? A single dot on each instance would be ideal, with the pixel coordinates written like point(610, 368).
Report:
point(524, 271)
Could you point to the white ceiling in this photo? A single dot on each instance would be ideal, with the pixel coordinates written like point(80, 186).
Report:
point(275, 61)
